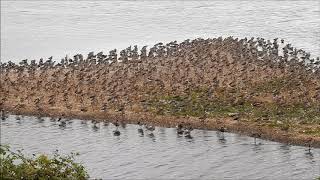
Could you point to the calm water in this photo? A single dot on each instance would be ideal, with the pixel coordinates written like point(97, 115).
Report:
point(164, 156)
point(43, 29)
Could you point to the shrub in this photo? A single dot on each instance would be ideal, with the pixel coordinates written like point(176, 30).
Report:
point(15, 165)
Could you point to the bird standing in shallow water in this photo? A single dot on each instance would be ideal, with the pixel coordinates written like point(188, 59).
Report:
point(309, 142)
point(62, 123)
point(150, 130)
point(140, 130)
point(95, 127)
point(255, 136)
point(220, 133)
point(187, 132)
point(3, 115)
point(116, 132)
point(179, 129)
point(222, 129)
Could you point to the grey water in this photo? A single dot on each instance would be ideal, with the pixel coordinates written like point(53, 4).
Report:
point(35, 29)
point(208, 155)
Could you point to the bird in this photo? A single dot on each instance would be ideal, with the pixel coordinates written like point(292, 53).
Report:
point(40, 119)
point(187, 132)
point(140, 130)
point(95, 127)
point(222, 129)
point(150, 128)
point(62, 123)
point(84, 122)
point(308, 143)
point(116, 132)
point(179, 128)
point(3, 117)
point(255, 136)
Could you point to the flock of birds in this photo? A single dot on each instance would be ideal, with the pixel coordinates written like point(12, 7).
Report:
point(259, 47)
point(181, 129)
point(118, 81)
point(102, 81)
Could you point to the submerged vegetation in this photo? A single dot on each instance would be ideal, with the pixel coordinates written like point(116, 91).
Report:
point(15, 165)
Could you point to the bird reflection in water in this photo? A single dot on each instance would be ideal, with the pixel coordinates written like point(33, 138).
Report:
point(151, 136)
point(84, 122)
point(52, 119)
point(18, 118)
point(123, 124)
point(105, 123)
point(285, 148)
point(221, 137)
point(69, 121)
point(40, 119)
point(19, 121)
point(309, 155)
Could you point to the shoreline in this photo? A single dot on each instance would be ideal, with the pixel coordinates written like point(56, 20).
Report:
point(230, 125)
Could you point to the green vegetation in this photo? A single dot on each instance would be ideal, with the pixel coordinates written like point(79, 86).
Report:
point(15, 165)
point(199, 103)
point(228, 103)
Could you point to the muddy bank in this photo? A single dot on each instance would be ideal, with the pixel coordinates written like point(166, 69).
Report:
point(229, 124)
point(252, 86)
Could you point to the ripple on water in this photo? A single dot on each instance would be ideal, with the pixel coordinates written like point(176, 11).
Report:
point(34, 30)
point(164, 155)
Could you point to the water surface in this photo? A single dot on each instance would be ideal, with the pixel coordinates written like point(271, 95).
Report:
point(35, 29)
point(208, 155)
